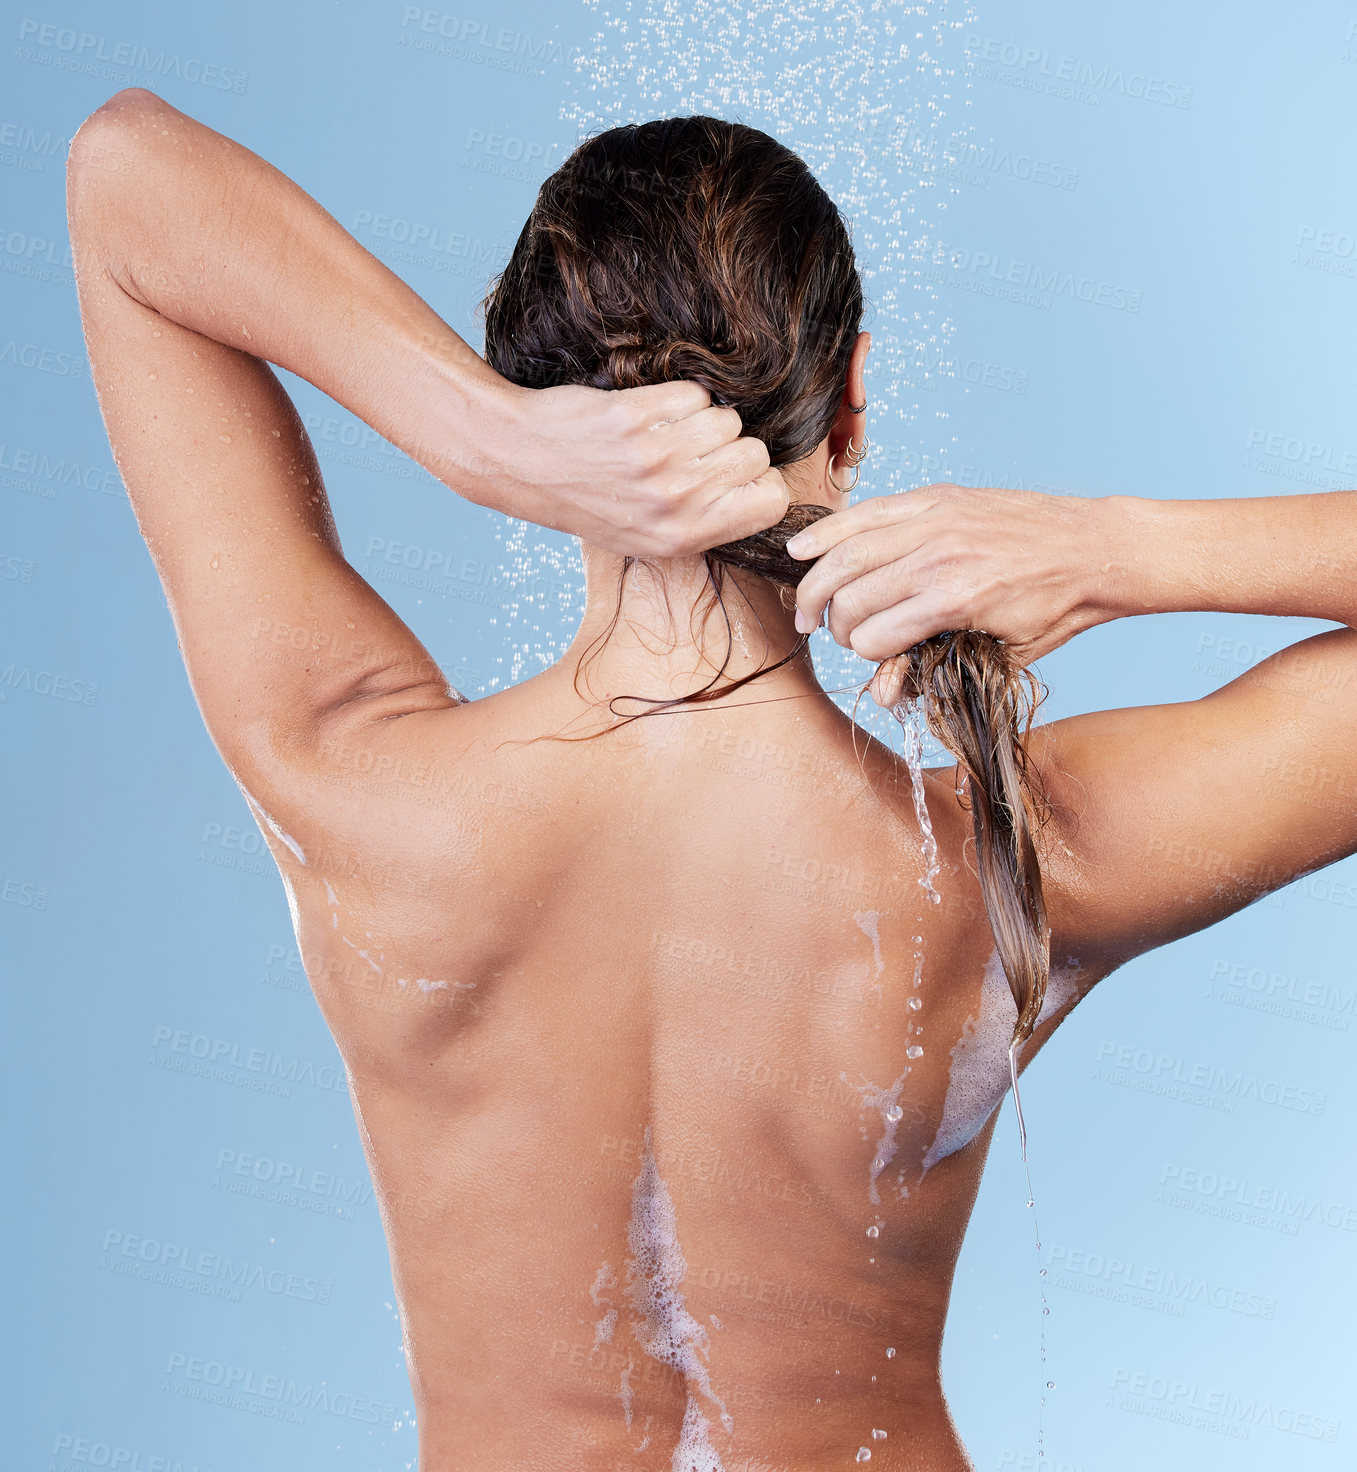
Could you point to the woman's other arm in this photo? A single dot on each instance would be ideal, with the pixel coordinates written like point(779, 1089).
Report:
point(1164, 818)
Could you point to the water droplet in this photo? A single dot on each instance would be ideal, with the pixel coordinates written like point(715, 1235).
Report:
point(1050, 1385)
point(890, 1354)
point(873, 1231)
point(1043, 1272)
point(878, 1435)
point(914, 1051)
point(864, 1454)
point(1046, 1311)
point(1030, 1202)
point(894, 1114)
point(914, 1004)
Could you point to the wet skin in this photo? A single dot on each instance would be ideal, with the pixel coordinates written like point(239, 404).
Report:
point(634, 938)
point(695, 933)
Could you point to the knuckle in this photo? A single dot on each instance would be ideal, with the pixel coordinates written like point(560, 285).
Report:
point(952, 611)
point(662, 498)
point(943, 557)
point(848, 606)
point(849, 557)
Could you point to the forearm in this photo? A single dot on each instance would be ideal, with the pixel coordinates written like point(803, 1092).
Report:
point(212, 237)
point(1282, 555)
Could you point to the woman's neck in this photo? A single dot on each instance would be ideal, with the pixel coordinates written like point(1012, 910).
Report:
point(671, 636)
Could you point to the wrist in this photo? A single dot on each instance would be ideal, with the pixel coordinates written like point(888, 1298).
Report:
point(473, 411)
point(1143, 559)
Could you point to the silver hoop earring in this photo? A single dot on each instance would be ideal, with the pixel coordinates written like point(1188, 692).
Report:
point(856, 457)
point(844, 490)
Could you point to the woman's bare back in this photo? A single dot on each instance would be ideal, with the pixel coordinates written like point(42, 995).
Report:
point(650, 1037)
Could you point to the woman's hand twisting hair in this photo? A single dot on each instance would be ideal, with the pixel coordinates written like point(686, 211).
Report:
point(1025, 567)
point(656, 471)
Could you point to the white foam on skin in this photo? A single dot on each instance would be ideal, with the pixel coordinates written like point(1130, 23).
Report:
point(887, 1103)
point(979, 1073)
point(262, 817)
point(625, 1395)
point(363, 954)
point(603, 1329)
point(869, 923)
point(661, 1322)
point(284, 838)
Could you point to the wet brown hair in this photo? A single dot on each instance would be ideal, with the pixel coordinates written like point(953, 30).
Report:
point(979, 703)
point(694, 248)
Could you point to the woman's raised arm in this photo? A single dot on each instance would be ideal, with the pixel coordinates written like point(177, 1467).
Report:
point(1164, 819)
point(200, 230)
point(197, 265)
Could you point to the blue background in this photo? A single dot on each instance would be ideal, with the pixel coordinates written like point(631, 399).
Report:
point(1200, 172)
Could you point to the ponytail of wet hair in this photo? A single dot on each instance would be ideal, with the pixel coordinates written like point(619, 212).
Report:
point(979, 704)
point(694, 248)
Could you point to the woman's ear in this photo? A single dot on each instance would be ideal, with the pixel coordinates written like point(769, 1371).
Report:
point(850, 424)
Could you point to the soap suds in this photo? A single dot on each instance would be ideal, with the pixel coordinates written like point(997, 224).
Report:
point(262, 817)
point(661, 1322)
point(604, 1280)
point(363, 954)
point(869, 923)
point(979, 1073)
point(887, 1103)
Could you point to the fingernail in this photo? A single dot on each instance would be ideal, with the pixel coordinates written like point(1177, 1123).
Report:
point(793, 549)
point(803, 624)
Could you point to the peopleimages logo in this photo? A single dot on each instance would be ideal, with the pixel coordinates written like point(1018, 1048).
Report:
point(1182, 1400)
point(469, 38)
point(1105, 1275)
point(237, 1383)
point(288, 1178)
point(222, 1059)
point(1044, 281)
point(94, 55)
point(1036, 70)
point(1178, 1077)
point(179, 1266)
point(83, 1451)
point(1235, 1198)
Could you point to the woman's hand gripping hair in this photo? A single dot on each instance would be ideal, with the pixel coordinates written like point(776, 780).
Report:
point(656, 471)
point(1031, 570)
